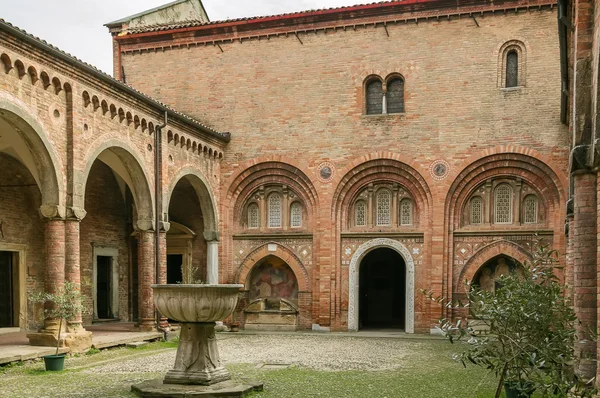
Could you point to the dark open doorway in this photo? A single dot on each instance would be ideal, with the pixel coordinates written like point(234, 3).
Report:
point(104, 287)
point(174, 271)
point(382, 290)
point(6, 290)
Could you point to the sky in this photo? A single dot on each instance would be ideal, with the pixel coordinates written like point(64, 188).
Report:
point(77, 26)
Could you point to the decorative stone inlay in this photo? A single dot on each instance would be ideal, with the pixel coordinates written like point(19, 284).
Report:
point(354, 280)
point(326, 171)
point(439, 169)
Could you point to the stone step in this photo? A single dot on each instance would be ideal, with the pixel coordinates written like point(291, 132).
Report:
point(136, 344)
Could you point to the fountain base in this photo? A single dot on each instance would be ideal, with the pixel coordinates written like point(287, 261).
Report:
point(229, 388)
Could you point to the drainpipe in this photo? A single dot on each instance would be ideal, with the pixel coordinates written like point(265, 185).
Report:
point(158, 208)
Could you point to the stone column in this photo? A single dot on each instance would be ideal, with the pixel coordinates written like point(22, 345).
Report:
point(77, 338)
point(584, 269)
point(55, 276)
point(162, 269)
point(212, 257)
point(146, 277)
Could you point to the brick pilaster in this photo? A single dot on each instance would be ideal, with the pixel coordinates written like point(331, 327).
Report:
point(584, 269)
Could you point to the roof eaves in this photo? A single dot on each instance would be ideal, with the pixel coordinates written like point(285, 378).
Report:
point(70, 59)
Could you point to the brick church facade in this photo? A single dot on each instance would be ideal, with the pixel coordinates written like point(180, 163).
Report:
point(334, 162)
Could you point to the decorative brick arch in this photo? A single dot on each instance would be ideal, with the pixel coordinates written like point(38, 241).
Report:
point(265, 173)
point(205, 195)
point(359, 254)
point(138, 178)
point(277, 250)
point(486, 253)
point(48, 163)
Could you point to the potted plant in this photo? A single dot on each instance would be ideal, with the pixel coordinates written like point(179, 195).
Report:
point(234, 326)
point(529, 335)
point(63, 305)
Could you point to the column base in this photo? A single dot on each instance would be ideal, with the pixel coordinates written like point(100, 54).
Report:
point(197, 361)
point(79, 341)
point(147, 325)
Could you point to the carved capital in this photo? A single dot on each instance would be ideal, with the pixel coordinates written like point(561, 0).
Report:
point(76, 213)
point(580, 158)
point(52, 212)
point(145, 225)
point(165, 226)
point(211, 236)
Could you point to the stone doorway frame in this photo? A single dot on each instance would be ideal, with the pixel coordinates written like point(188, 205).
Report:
point(353, 283)
point(19, 253)
point(113, 253)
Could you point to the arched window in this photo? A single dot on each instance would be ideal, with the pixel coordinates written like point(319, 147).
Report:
point(296, 215)
point(360, 214)
point(253, 219)
point(530, 209)
point(503, 204)
point(395, 95)
point(512, 69)
point(476, 210)
point(275, 210)
point(374, 97)
point(406, 212)
point(384, 204)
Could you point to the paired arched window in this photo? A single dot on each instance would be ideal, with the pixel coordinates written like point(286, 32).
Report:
point(503, 204)
point(253, 217)
point(530, 209)
point(296, 215)
point(360, 214)
point(384, 96)
point(384, 207)
point(406, 212)
point(476, 211)
point(274, 210)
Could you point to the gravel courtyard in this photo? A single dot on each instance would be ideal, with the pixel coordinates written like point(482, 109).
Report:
point(289, 365)
point(328, 353)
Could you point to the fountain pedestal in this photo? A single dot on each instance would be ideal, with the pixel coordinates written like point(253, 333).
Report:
point(198, 370)
point(197, 360)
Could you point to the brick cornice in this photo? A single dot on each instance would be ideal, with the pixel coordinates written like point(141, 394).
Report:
point(377, 14)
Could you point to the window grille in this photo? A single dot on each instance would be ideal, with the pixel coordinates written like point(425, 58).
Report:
point(530, 209)
point(384, 199)
point(275, 210)
point(405, 212)
point(296, 215)
point(476, 210)
point(395, 96)
point(253, 220)
point(374, 97)
point(503, 204)
point(512, 69)
point(360, 214)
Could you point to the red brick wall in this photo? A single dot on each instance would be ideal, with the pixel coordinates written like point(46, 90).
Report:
point(105, 225)
point(302, 104)
point(20, 200)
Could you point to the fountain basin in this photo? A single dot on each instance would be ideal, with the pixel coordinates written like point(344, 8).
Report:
point(196, 303)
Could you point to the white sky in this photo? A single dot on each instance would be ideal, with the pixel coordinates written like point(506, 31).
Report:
point(76, 26)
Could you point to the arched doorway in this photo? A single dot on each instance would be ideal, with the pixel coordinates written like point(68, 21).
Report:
point(354, 281)
point(382, 290)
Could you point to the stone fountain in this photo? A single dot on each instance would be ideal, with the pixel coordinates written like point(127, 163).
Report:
point(198, 370)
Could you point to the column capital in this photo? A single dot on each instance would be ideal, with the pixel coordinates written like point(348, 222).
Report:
point(145, 225)
point(211, 236)
point(52, 212)
point(75, 213)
